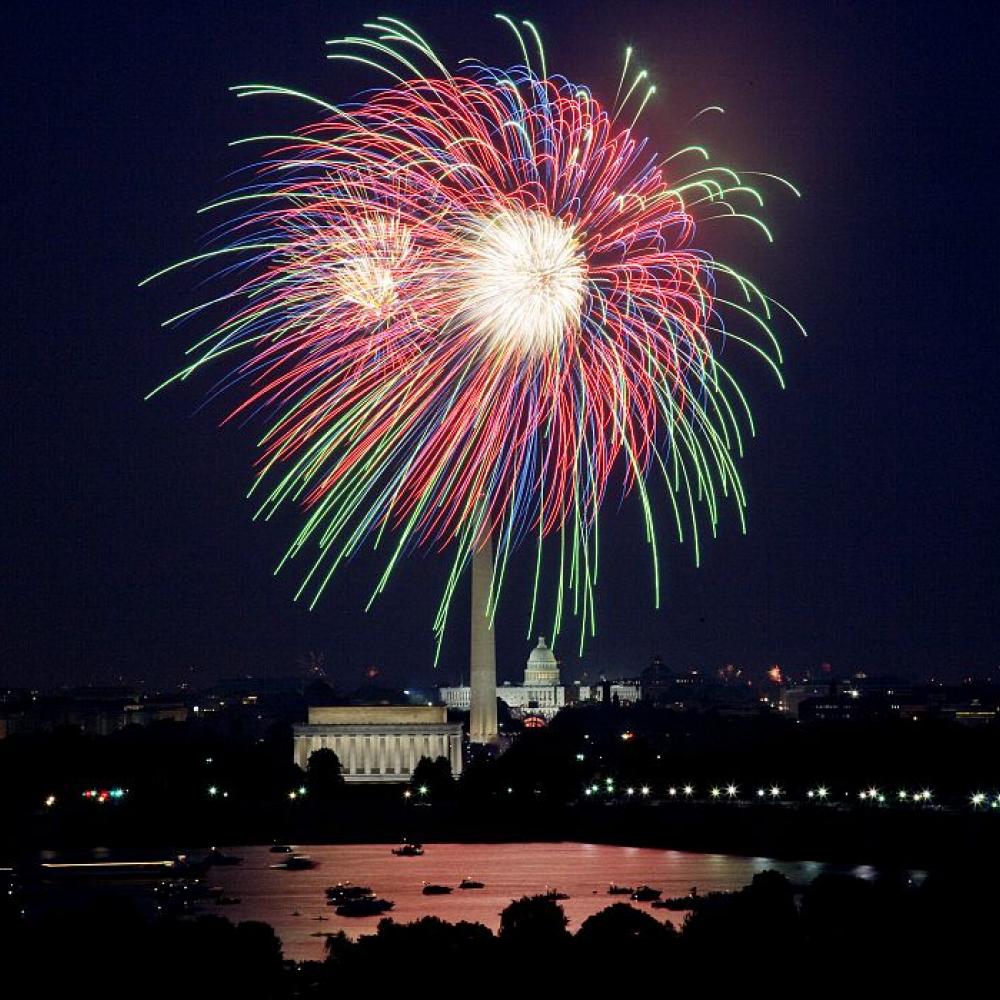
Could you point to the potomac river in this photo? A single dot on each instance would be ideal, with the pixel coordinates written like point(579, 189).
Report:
point(293, 901)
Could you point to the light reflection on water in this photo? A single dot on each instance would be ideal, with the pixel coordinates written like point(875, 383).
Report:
point(509, 871)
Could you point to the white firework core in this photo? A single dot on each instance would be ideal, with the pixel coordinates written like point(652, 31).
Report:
point(375, 250)
point(368, 283)
point(522, 281)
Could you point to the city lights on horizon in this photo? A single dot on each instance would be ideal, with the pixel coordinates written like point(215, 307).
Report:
point(775, 793)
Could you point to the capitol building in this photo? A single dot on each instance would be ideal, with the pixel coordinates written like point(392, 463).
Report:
point(541, 694)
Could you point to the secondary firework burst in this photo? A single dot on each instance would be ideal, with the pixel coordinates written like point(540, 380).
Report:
point(467, 304)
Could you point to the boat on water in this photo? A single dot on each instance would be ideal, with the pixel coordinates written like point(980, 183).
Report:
point(676, 903)
point(343, 891)
point(646, 894)
point(281, 849)
point(690, 902)
point(295, 863)
point(369, 907)
point(408, 850)
point(471, 883)
point(620, 890)
point(179, 866)
point(430, 889)
point(554, 894)
point(227, 901)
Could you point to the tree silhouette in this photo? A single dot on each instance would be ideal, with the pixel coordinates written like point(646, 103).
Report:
point(434, 776)
point(323, 774)
point(534, 922)
point(627, 933)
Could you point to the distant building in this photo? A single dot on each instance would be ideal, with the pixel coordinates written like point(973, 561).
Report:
point(656, 681)
point(541, 694)
point(379, 743)
point(145, 712)
point(623, 691)
point(793, 695)
point(95, 711)
point(847, 707)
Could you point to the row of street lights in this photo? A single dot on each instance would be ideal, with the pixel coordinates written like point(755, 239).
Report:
point(774, 793)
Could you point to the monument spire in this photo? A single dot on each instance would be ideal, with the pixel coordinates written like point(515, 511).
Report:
point(483, 657)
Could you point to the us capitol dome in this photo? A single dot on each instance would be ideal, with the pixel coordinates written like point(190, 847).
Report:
point(541, 694)
point(542, 668)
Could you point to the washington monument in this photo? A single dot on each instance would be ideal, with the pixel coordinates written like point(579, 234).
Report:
point(483, 655)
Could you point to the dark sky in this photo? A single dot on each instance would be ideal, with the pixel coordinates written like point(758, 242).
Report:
point(873, 521)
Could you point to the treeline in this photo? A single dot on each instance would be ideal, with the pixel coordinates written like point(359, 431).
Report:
point(177, 762)
point(187, 785)
point(839, 928)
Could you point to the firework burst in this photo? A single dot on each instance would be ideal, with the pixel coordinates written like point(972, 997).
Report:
point(469, 303)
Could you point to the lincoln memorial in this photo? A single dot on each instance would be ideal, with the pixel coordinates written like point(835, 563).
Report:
point(377, 743)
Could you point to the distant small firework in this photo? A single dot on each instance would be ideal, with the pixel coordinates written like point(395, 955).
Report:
point(469, 302)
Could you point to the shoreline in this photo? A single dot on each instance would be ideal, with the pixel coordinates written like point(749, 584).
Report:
point(882, 839)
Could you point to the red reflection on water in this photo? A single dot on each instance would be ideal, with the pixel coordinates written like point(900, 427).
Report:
point(510, 871)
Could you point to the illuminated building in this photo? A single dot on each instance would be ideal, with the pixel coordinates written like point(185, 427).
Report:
point(379, 743)
point(541, 694)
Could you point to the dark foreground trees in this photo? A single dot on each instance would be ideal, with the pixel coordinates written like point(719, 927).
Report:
point(629, 934)
point(827, 933)
point(432, 778)
point(324, 779)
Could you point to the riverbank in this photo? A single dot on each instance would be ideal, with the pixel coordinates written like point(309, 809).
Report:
point(918, 838)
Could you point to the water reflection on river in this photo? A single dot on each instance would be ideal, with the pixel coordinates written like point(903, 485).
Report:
point(509, 871)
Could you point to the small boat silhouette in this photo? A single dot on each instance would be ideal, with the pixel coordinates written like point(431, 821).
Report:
point(436, 890)
point(646, 894)
point(364, 907)
point(295, 863)
point(408, 851)
point(554, 894)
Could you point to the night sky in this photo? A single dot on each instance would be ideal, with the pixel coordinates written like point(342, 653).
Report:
point(873, 523)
